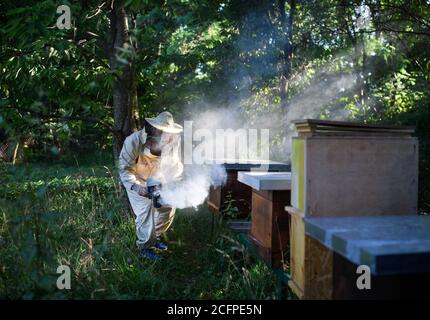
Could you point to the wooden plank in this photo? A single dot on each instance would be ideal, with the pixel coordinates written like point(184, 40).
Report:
point(315, 125)
point(262, 218)
point(266, 180)
point(373, 176)
point(298, 168)
point(311, 264)
point(356, 134)
point(318, 270)
point(270, 225)
point(297, 254)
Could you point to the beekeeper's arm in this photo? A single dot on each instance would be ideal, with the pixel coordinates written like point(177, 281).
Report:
point(127, 161)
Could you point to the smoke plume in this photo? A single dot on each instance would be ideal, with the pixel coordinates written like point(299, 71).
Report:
point(193, 189)
point(185, 188)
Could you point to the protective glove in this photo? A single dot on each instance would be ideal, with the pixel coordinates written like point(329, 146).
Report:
point(141, 190)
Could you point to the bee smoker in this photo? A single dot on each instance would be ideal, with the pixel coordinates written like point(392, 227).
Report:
point(154, 187)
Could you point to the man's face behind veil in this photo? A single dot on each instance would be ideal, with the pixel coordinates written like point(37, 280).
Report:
point(156, 139)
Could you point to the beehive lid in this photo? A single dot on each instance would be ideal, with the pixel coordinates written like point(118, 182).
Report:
point(315, 127)
point(251, 164)
point(387, 244)
point(266, 180)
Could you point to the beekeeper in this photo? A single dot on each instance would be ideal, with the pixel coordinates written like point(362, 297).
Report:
point(153, 152)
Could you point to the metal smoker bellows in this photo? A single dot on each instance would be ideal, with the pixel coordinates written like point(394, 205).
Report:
point(154, 187)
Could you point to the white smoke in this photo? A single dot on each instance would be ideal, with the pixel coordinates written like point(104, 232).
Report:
point(193, 189)
point(189, 187)
point(309, 105)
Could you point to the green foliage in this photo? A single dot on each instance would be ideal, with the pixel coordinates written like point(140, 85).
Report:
point(53, 86)
point(85, 229)
point(56, 100)
point(397, 93)
point(27, 179)
point(229, 209)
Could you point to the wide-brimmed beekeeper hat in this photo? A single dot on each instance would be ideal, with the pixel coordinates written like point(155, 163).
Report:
point(164, 122)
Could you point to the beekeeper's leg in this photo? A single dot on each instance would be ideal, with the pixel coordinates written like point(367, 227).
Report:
point(163, 219)
point(145, 222)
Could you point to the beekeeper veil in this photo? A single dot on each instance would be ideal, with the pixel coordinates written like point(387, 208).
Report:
point(171, 166)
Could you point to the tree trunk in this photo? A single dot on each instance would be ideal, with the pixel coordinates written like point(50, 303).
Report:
point(287, 52)
point(124, 88)
point(125, 107)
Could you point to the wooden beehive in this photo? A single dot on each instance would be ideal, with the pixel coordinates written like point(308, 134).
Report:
point(344, 169)
point(311, 264)
point(319, 273)
point(341, 169)
point(395, 249)
point(269, 229)
point(240, 193)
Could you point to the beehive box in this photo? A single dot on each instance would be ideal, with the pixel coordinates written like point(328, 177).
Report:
point(240, 193)
point(341, 169)
point(344, 169)
point(311, 263)
point(269, 229)
point(396, 250)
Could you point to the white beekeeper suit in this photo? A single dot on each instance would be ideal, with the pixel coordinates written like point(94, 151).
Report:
point(137, 164)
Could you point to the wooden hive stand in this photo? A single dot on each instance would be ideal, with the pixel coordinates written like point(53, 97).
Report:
point(269, 225)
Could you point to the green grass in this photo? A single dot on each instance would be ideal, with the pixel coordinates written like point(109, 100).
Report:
point(51, 215)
